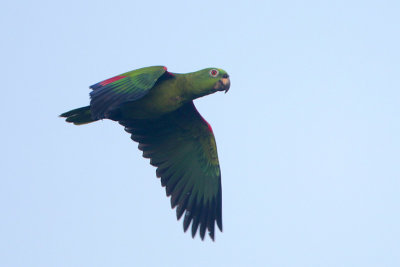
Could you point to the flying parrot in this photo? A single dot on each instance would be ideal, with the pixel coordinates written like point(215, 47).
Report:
point(156, 107)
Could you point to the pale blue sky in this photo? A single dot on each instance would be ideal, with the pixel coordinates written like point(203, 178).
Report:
point(308, 136)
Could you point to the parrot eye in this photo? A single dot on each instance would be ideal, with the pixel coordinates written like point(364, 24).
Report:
point(214, 72)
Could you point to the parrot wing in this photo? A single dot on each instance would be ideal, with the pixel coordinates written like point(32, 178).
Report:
point(130, 86)
point(182, 146)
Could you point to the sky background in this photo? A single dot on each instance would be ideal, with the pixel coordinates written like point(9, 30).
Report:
point(308, 136)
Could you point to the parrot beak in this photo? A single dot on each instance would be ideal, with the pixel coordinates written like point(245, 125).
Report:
point(223, 84)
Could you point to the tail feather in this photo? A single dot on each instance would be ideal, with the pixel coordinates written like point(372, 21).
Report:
point(79, 116)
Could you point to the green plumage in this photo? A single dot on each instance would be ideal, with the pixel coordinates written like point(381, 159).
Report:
point(156, 108)
point(130, 86)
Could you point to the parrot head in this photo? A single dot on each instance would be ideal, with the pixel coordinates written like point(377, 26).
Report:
point(210, 80)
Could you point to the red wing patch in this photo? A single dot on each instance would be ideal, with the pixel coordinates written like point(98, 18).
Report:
point(111, 80)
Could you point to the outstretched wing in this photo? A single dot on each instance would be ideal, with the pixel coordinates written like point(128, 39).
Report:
point(130, 86)
point(181, 145)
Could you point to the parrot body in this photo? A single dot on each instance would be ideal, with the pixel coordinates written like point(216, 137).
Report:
point(156, 107)
point(165, 97)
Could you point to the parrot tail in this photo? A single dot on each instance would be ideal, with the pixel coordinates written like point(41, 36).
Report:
point(79, 116)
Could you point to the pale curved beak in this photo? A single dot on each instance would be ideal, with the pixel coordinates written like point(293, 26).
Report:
point(227, 84)
point(223, 84)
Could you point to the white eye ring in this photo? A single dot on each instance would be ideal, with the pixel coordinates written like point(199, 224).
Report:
point(214, 73)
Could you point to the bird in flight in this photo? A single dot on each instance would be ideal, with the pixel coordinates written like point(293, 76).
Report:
point(156, 107)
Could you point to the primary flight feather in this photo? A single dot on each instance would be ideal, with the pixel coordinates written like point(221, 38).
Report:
point(156, 107)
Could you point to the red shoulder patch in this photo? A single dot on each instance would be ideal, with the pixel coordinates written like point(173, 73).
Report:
point(167, 72)
point(208, 125)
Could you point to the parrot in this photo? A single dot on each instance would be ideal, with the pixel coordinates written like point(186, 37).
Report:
point(156, 108)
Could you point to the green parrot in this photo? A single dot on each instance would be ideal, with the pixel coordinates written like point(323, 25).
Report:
point(156, 107)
